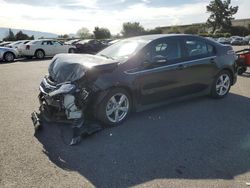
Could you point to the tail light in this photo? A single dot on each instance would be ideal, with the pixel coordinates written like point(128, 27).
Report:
point(27, 47)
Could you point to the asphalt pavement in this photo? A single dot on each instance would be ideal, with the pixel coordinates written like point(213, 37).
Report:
point(200, 142)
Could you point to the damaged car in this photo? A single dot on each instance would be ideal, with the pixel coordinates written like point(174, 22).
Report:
point(134, 74)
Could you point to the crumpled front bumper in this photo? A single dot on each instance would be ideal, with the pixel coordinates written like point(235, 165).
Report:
point(64, 103)
point(59, 103)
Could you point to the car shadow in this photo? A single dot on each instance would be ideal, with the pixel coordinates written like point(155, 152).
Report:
point(197, 139)
point(4, 62)
point(24, 60)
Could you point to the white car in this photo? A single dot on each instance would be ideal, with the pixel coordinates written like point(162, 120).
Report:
point(44, 48)
point(17, 43)
point(8, 54)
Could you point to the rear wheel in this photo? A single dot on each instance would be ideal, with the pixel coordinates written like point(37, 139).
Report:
point(40, 54)
point(71, 50)
point(9, 57)
point(221, 84)
point(241, 70)
point(115, 107)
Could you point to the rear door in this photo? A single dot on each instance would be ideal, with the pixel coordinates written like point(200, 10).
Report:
point(47, 47)
point(199, 64)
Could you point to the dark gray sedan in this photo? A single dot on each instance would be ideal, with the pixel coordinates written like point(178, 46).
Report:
point(135, 74)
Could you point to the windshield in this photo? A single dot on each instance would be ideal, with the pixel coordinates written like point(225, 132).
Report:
point(123, 49)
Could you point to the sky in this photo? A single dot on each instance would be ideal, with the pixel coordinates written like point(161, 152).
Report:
point(68, 16)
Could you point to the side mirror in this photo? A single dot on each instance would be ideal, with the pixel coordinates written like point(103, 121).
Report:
point(159, 59)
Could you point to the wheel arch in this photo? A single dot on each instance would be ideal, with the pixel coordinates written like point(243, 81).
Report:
point(231, 73)
point(102, 94)
point(11, 53)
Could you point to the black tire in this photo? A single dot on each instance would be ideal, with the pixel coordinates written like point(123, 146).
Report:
point(9, 57)
point(241, 70)
point(224, 91)
point(71, 50)
point(101, 114)
point(39, 54)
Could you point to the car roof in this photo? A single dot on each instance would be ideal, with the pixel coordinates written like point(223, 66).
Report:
point(158, 36)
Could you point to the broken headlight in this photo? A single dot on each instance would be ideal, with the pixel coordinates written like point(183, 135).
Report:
point(63, 89)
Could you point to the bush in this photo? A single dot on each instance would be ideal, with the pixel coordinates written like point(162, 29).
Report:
point(216, 35)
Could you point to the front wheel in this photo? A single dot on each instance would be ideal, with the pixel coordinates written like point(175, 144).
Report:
point(71, 50)
point(115, 107)
point(241, 70)
point(9, 57)
point(221, 84)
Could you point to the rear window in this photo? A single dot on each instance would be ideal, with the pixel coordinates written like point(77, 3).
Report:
point(196, 48)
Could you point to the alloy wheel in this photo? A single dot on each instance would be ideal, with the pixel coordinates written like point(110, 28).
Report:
point(9, 57)
point(223, 84)
point(40, 54)
point(117, 108)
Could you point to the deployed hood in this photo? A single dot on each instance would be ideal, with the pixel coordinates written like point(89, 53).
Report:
point(72, 67)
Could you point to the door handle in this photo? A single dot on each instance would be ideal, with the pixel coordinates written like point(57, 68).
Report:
point(212, 60)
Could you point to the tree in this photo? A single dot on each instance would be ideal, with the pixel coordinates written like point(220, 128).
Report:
point(101, 33)
point(156, 30)
point(221, 14)
point(10, 36)
point(174, 30)
point(83, 33)
point(132, 29)
point(21, 36)
point(240, 31)
point(65, 36)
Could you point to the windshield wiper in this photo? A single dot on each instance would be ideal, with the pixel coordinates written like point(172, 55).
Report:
point(108, 57)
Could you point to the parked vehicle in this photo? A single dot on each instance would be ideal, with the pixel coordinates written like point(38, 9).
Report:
point(247, 39)
point(72, 42)
point(8, 54)
point(113, 42)
point(224, 40)
point(135, 74)
point(4, 44)
point(17, 43)
point(243, 60)
point(90, 46)
point(44, 48)
point(238, 41)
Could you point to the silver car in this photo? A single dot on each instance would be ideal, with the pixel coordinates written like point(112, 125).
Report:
point(8, 54)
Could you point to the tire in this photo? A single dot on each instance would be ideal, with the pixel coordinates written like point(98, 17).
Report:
point(39, 54)
point(71, 50)
point(242, 70)
point(221, 85)
point(110, 112)
point(9, 57)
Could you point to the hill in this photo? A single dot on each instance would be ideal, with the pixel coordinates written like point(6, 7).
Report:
point(37, 34)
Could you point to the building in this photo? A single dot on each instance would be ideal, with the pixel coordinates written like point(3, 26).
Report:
point(202, 26)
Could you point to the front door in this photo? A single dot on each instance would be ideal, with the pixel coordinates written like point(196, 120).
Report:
point(159, 77)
